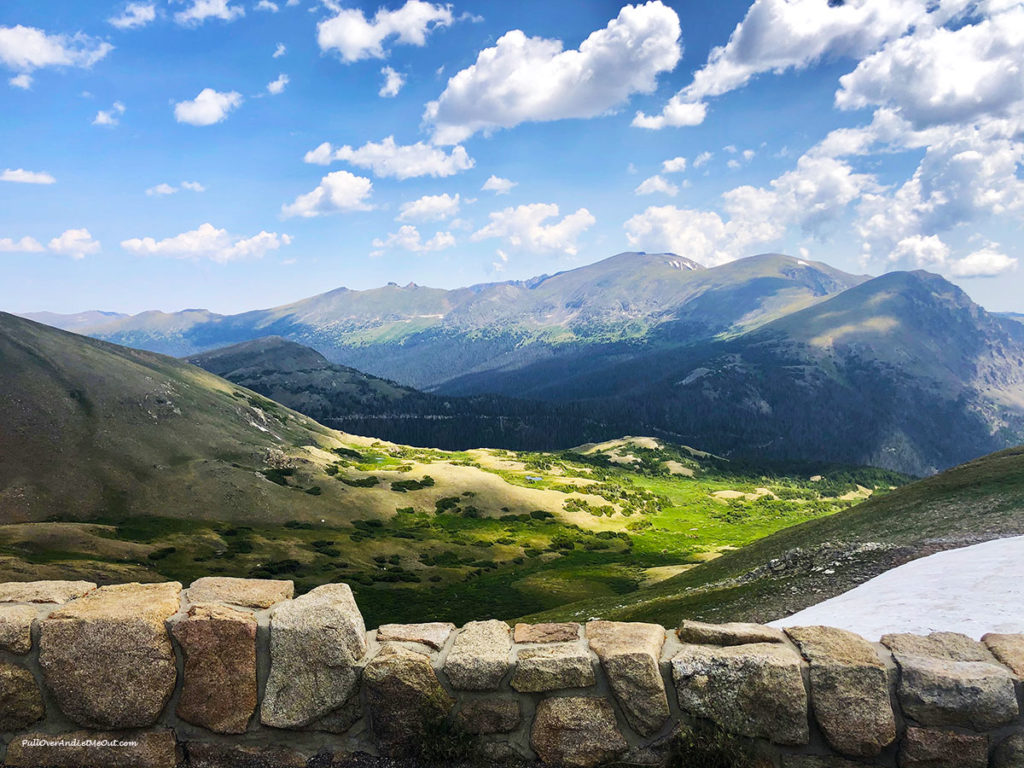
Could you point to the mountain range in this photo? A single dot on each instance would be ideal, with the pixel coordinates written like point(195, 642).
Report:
point(768, 356)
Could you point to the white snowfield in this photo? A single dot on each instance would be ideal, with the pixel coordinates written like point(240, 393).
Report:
point(972, 590)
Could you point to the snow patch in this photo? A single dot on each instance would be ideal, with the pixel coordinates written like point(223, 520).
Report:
point(972, 590)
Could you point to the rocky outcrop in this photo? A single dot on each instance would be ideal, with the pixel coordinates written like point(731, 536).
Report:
point(247, 593)
point(480, 656)
point(630, 654)
point(315, 642)
point(579, 732)
point(107, 658)
point(849, 690)
point(754, 690)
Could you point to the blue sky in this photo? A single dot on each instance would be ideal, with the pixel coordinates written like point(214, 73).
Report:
point(230, 154)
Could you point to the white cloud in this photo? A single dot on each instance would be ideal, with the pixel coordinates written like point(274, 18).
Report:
point(657, 184)
point(338, 191)
point(393, 82)
point(201, 10)
point(21, 176)
point(524, 227)
point(266, 5)
point(208, 242)
point(699, 235)
point(408, 238)
point(498, 185)
point(532, 79)
point(23, 81)
point(207, 108)
point(193, 186)
point(430, 208)
point(675, 165)
point(387, 158)
point(277, 86)
point(919, 252)
point(987, 262)
point(135, 15)
point(280, 51)
point(25, 49)
point(355, 37)
point(76, 243)
point(675, 114)
point(109, 116)
point(702, 159)
point(163, 189)
point(24, 245)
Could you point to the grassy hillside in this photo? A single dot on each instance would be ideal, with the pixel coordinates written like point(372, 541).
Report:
point(125, 465)
point(805, 564)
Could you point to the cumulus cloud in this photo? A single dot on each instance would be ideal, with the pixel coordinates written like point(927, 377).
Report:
point(393, 82)
point(702, 159)
point(279, 51)
point(135, 15)
point(24, 245)
point(21, 176)
point(674, 165)
point(266, 5)
point(23, 81)
point(388, 159)
point(532, 79)
point(498, 185)
point(355, 37)
point(408, 238)
point(26, 49)
point(208, 108)
point(430, 208)
point(987, 262)
point(920, 252)
point(338, 191)
point(208, 242)
point(657, 184)
point(161, 190)
point(524, 227)
point(109, 116)
point(277, 86)
point(201, 10)
point(699, 235)
point(76, 243)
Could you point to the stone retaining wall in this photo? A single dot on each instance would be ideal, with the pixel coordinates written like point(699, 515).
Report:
point(235, 672)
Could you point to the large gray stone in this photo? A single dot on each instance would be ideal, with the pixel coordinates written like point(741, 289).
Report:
point(107, 657)
point(144, 749)
point(480, 656)
point(43, 591)
point(315, 642)
point(490, 715)
point(940, 645)
point(21, 701)
point(754, 690)
point(849, 690)
point(971, 694)
point(1008, 649)
point(630, 654)
point(434, 634)
point(219, 687)
point(16, 627)
point(404, 699)
point(1010, 752)
point(565, 665)
point(578, 732)
point(732, 633)
point(247, 593)
point(558, 632)
point(934, 748)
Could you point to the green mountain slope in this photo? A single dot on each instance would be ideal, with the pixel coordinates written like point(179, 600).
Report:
point(808, 563)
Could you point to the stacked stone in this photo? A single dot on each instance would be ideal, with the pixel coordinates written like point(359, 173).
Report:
point(240, 672)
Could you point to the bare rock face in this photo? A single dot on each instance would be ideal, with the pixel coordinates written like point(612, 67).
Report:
point(940, 645)
point(1008, 649)
point(934, 748)
point(971, 694)
point(1010, 753)
point(16, 627)
point(21, 701)
point(106, 657)
point(433, 634)
point(558, 632)
point(565, 665)
point(492, 715)
point(479, 658)
point(733, 633)
point(219, 688)
point(247, 593)
point(578, 732)
point(754, 690)
point(849, 690)
point(43, 591)
point(404, 698)
point(152, 749)
point(315, 642)
point(630, 654)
